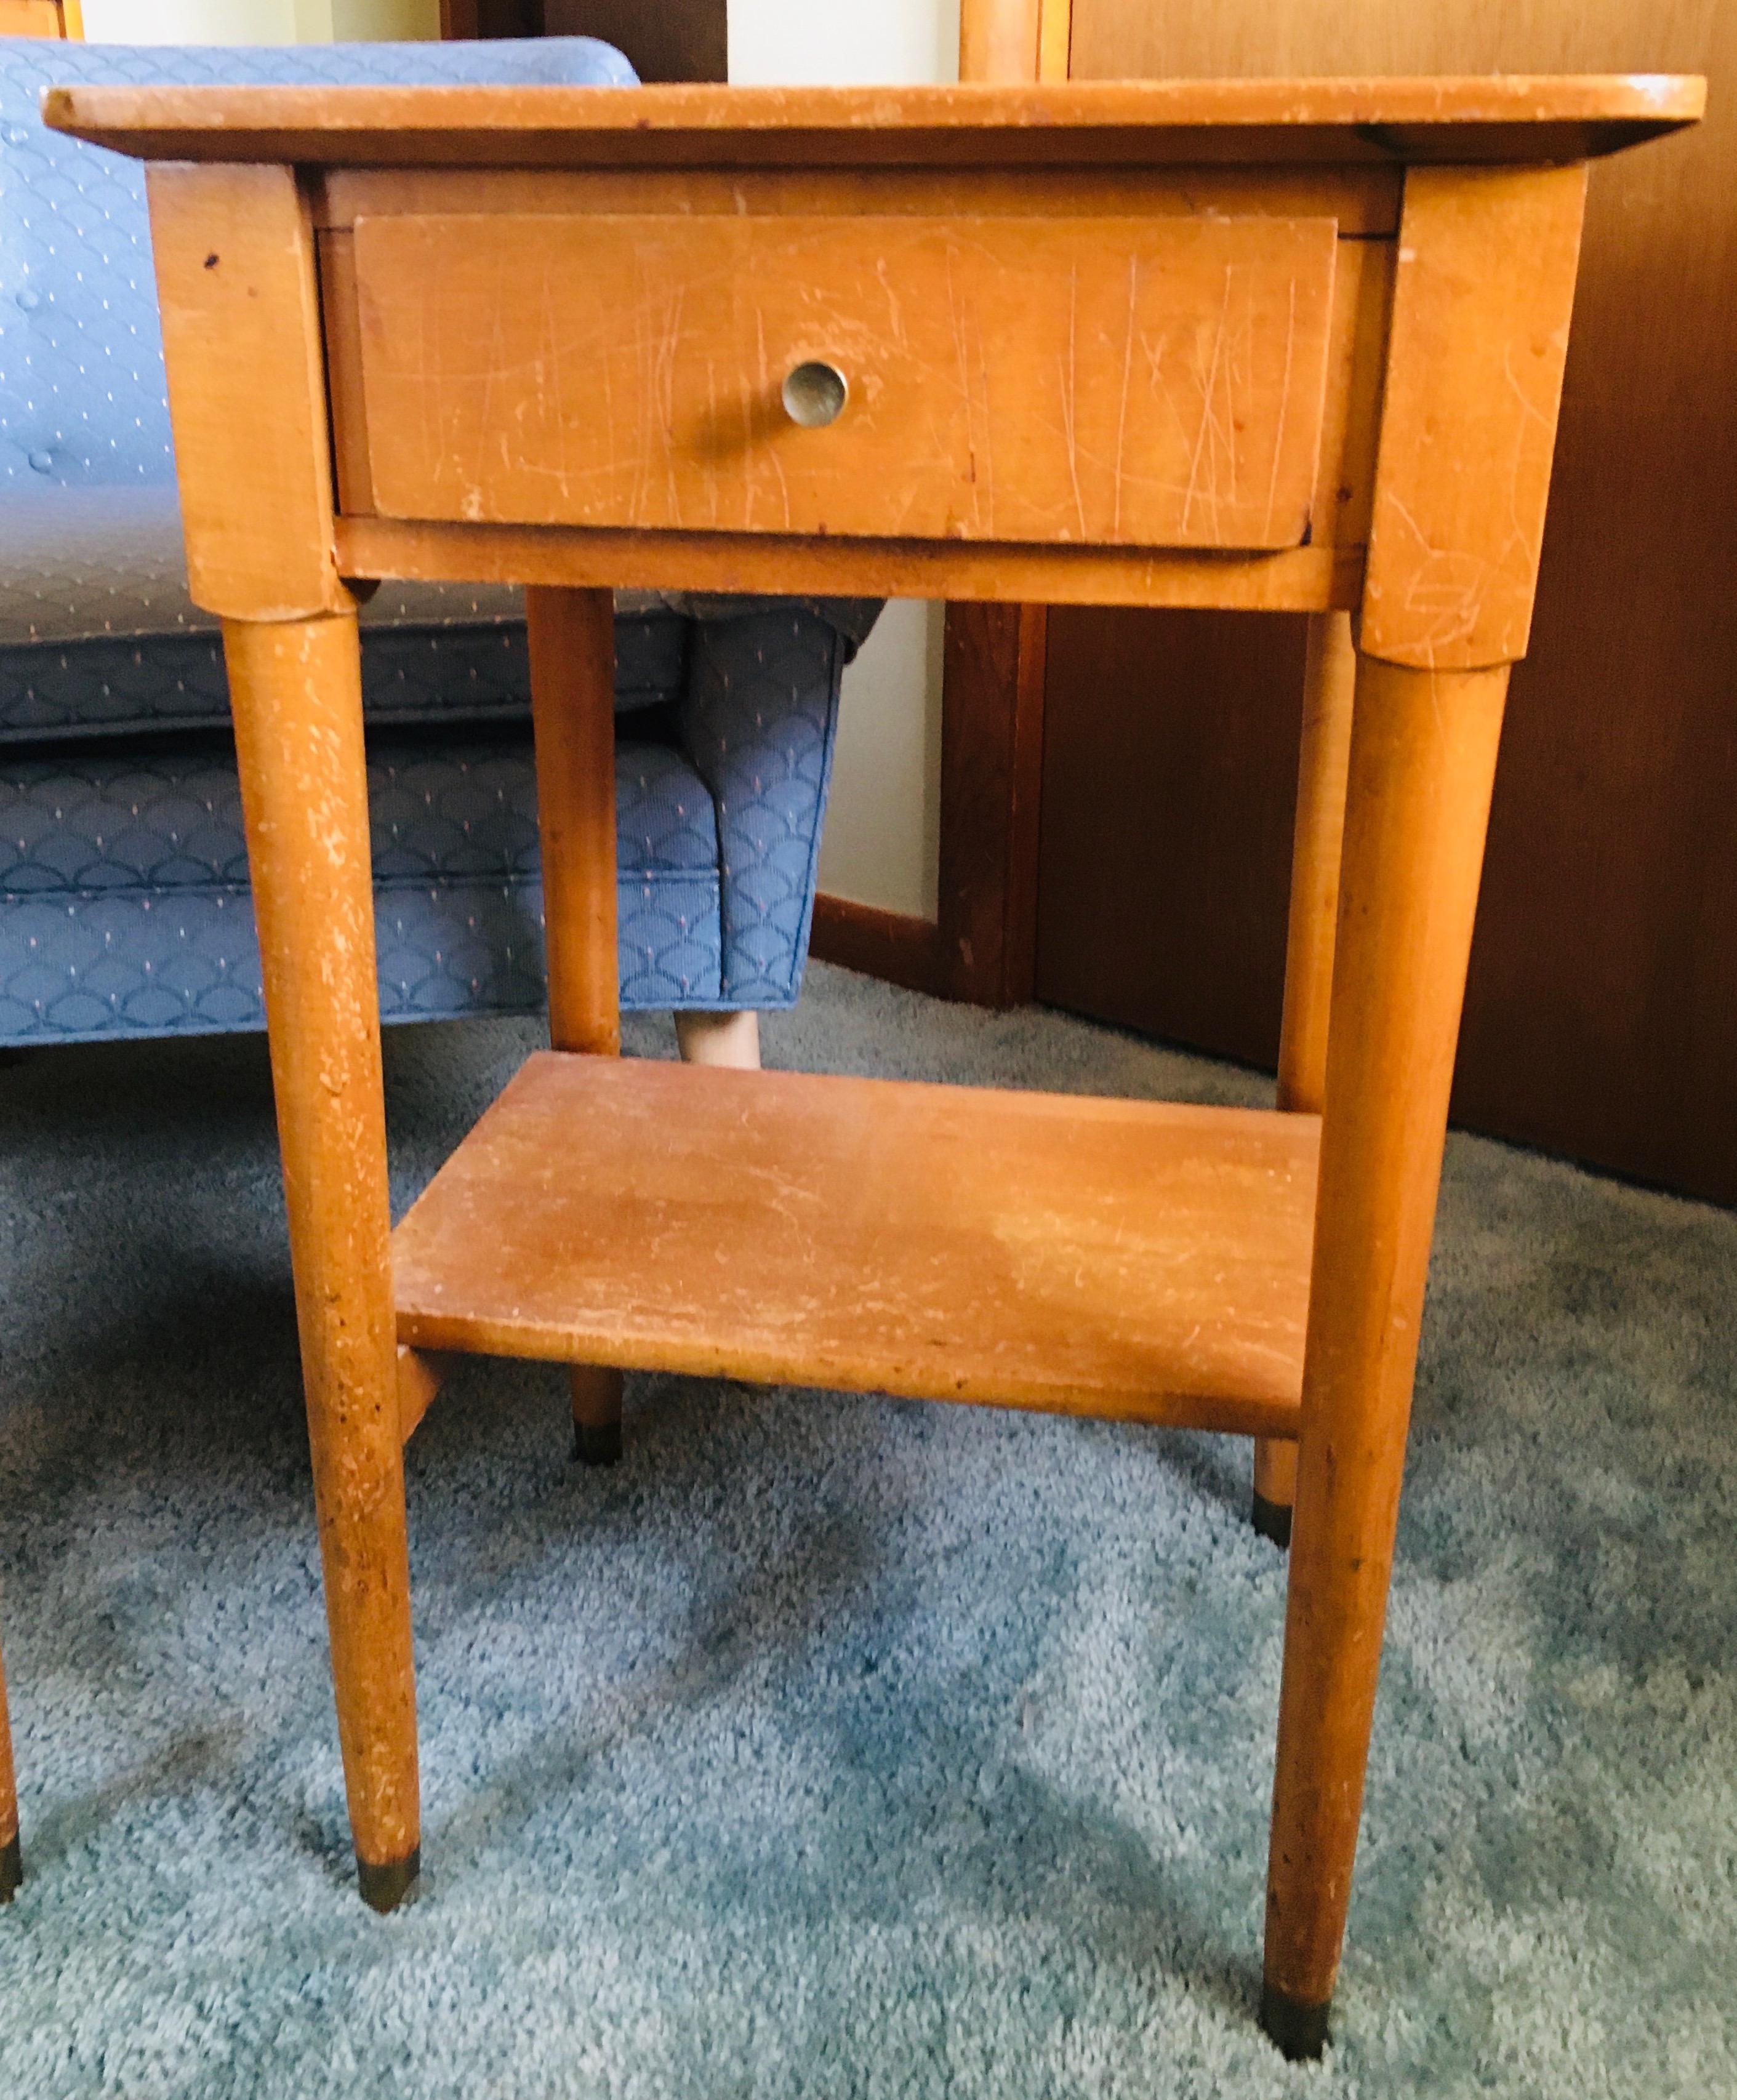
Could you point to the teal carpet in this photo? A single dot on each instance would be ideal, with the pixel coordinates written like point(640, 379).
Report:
point(832, 1747)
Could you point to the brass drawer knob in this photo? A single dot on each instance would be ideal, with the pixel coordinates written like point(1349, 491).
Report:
point(814, 395)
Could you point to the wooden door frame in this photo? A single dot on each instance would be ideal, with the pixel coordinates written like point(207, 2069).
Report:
point(983, 947)
point(996, 660)
point(57, 19)
point(463, 21)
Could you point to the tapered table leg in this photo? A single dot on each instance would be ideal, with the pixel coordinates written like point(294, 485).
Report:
point(296, 690)
point(1329, 682)
point(572, 641)
point(1422, 761)
point(11, 1855)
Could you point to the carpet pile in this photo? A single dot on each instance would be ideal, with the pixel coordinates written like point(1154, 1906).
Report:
point(834, 1747)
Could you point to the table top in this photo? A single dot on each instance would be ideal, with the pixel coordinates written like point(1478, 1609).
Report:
point(1494, 118)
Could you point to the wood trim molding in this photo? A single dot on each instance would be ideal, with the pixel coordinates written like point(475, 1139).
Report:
point(55, 18)
point(1054, 38)
point(663, 39)
point(889, 945)
point(991, 776)
point(995, 660)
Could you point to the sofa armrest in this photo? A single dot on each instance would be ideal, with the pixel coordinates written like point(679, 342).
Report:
point(759, 719)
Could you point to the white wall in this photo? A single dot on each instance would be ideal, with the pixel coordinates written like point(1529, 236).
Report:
point(822, 41)
point(883, 827)
point(257, 21)
point(190, 21)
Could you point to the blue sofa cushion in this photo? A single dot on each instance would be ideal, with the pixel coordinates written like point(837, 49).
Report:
point(124, 963)
point(123, 900)
point(125, 909)
point(49, 690)
point(101, 564)
point(95, 819)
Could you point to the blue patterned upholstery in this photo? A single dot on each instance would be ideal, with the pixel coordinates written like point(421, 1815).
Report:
point(759, 719)
point(409, 674)
point(124, 904)
point(124, 907)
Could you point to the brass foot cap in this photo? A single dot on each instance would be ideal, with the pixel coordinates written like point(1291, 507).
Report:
point(384, 1888)
point(11, 1868)
point(1272, 1520)
point(1299, 2030)
point(598, 1447)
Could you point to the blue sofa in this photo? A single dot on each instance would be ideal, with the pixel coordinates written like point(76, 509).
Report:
point(124, 904)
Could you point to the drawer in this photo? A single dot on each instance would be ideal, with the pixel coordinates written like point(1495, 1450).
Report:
point(1091, 380)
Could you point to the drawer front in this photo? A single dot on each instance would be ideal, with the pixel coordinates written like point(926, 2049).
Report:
point(1092, 381)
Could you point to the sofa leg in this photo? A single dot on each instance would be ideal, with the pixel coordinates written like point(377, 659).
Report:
point(720, 1038)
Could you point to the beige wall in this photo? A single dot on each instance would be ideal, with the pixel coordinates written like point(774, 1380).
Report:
point(257, 21)
point(883, 827)
point(362, 21)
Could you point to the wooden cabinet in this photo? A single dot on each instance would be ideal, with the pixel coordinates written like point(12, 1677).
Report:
point(1601, 1017)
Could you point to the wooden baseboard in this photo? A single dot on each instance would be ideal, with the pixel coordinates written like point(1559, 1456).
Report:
point(991, 785)
point(889, 945)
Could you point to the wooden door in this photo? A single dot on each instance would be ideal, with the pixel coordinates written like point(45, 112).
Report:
point(1601, 1017)
point(664, 39)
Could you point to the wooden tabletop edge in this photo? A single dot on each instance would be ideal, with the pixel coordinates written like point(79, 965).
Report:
point(1662, 100)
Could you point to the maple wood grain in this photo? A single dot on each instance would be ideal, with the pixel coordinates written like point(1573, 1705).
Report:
point(484, 344)
point(572, 636)
point(1122, 1258)
point(1507, 121)
point(1323, 769)
point(421, 1373)
point(235, 276)
point(1422, 759)
point(296, 690)
point(1483, 296)
point(1364, 198)
point(1297, 579)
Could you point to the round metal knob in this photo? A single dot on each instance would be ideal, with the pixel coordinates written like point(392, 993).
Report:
point(814, 395)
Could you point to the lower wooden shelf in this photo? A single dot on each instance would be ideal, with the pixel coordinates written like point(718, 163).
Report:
point(1132, 1259)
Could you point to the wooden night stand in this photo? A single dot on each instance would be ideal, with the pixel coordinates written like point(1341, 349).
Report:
point(1294, 345)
